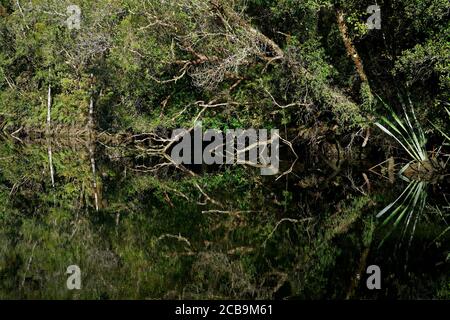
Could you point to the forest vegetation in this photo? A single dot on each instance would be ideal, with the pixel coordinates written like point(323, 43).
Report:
point(340, 93)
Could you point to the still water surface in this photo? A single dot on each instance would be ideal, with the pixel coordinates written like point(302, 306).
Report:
point(146, 232)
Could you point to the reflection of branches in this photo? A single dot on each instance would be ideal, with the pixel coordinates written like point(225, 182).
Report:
point(212, 268)
point(289, 144)
point(232, 213)
point(158, 146)
point(180, 238)
point(94, 175)
point(50, 163)
point(208, 198)
point(28, 264)
point(280, 222)
point(220, 266)
point(177, 237)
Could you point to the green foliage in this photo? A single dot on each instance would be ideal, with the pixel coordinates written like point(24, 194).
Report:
point(445, 135)
point(151, 66)
point(408, 134)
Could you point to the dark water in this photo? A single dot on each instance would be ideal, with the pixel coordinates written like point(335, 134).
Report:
point(146, 232)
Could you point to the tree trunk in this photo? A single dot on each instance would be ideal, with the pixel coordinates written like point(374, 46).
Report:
point(49, 108)
point(50, 163)
point(351, 49)
point(332, 96)
point(91, 106)
point(94, 175)
point(91, 114)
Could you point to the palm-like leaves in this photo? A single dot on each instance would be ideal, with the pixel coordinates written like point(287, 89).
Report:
point(408, 133)
point(408, 205)
point(405, 134)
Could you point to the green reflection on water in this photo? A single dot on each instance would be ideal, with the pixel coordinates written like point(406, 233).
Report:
point(225, 233)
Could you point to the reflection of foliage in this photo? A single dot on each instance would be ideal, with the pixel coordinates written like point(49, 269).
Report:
point(227, 234)
point(407, 208)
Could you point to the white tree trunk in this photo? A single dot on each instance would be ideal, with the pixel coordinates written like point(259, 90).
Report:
point(50, 162)
point(94, 175)
point(91, 113)
point(91, 107)
point(49, 107)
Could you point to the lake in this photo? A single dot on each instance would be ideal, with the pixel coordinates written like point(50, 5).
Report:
point(140, 228)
